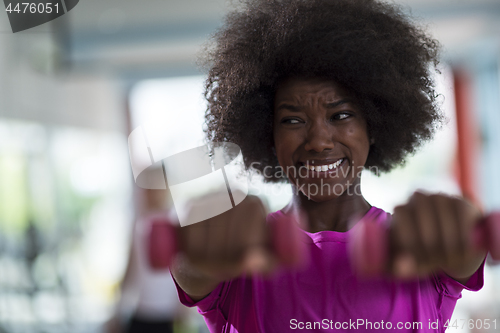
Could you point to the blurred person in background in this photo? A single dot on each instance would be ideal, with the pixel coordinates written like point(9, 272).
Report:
point(148, 302)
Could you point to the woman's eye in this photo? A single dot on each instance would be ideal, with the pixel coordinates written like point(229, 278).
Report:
point(291, 121)
point(340, 116)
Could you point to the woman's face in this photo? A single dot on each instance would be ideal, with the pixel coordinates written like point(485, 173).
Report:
point(320, 137)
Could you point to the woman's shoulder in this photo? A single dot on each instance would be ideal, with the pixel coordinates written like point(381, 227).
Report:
point(378, 215)
point(374, 213)
point(274, 216)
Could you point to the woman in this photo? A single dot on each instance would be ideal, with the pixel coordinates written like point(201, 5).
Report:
point(313, 92)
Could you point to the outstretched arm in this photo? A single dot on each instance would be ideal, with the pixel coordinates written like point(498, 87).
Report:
point(222, 248)
point(434, 232)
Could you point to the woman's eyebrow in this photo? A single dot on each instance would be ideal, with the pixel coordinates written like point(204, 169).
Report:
point(289, 107)
point(332, 105)
point(295, 108)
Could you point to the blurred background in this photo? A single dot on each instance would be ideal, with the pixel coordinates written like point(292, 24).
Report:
point(73, 89)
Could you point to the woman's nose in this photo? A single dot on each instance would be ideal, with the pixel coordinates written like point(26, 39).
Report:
point(319, 137)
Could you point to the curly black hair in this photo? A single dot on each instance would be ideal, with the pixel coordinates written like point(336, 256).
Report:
point(369, 47)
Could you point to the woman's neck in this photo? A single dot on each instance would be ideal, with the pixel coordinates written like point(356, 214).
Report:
point(334, 214)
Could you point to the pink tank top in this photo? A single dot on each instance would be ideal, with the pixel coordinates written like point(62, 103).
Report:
point(326, 295)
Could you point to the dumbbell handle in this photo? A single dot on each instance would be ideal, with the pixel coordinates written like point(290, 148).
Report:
point(162, 242)
point(369, 243)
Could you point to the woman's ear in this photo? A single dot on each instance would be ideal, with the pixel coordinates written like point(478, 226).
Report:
point(372, 141)
point(274, 151)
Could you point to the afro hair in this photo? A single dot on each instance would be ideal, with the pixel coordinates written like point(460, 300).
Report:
point(369, 47)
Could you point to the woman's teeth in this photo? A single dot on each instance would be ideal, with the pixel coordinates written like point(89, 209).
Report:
point(325, 167)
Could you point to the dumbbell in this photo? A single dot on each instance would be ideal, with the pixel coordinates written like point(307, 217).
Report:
point(162, 241)
point(369, 243)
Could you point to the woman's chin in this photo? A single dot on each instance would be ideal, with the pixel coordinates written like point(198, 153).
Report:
point(320, 197)
point(326, 191)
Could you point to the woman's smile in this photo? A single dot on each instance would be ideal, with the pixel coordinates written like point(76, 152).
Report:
point(323, 166)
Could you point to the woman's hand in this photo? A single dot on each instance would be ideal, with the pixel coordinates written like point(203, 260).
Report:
point(228, 245)
point(231, 243)
point(433, 232)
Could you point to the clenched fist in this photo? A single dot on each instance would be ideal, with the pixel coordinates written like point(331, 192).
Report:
point(433, 232)
point(234, 243)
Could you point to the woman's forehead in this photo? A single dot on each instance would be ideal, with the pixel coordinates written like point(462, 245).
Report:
point(300, 90)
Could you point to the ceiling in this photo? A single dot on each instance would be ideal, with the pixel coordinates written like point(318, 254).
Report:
point(151, 38)
point(102, 46)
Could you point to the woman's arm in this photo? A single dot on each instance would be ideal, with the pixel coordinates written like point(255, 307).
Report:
point(434, 232)
point(222, 248)
point(463, 273)
point(194, 282)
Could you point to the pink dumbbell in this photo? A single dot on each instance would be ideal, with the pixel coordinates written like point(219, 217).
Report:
point(162, 242)
point(369, 243)
point(288, 241)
